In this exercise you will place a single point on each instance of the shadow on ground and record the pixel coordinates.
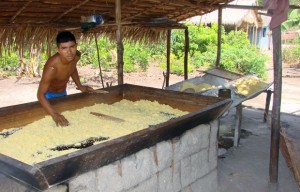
(246, 168)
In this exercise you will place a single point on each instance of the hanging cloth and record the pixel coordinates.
(278, 9)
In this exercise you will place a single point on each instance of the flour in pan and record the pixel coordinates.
(36, 142)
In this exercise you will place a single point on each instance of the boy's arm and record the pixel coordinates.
(43, 88)
(75, 77)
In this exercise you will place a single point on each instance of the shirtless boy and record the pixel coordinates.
(57, 71)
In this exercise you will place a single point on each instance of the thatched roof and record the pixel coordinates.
(36, 21)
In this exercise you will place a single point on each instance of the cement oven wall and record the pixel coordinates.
(185, 163)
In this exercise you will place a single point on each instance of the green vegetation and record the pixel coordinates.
(293, 21)
(89, 54)
(237, 54)
(9, 63)
(136, 57)
(291, 55)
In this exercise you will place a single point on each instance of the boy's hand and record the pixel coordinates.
(60, 120)
(86, 89)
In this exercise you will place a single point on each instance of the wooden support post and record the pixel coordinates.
(259, 36)
(268, 99)
(186, 53)
(98, 56)
(219, 36)
(238, 122)
(168, 57)
(49, 44)
(269, 39)
(251, 35)
(256, 29)
(247, 31)
(275, 125)
(120, 47)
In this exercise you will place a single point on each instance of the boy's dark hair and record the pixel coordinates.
(64, 37)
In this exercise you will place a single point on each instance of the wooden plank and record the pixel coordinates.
(98, 56)
(238, 122)
(186, 53)
(100, 115)
(179, 100)
(219, 37)
(291, 155)
(168, 57)
(120, 47)
(268, 99)
(275, 125)
(25, 173)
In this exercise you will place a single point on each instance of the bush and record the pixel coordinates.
(89, 54)
(135, 57)
(291, 55)
(5, 74)
(244, 61)
(176, 65)
(9, 61)
(237, 55)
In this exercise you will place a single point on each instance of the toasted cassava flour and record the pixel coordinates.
(43, 140)
(195, 88)
(249, 86)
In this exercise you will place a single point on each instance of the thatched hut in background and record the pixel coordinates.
(248, 20)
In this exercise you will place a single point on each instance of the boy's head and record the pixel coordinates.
(63, 37)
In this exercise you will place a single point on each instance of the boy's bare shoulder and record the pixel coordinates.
(52, 63)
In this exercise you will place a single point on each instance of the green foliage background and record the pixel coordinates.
(291, 55)
(237, 54)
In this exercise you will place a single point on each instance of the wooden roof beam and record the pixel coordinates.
(190, 12)
(68, 11)
(143, 12)
(253, 7)
(124, 5)
(188, 3)
(132, 3)
(181, 2)
(20, 11)
(199, 2)
(129, 3)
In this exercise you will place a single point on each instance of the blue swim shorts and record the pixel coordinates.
(50, 95)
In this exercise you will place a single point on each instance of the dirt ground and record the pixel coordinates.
(15, 91)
